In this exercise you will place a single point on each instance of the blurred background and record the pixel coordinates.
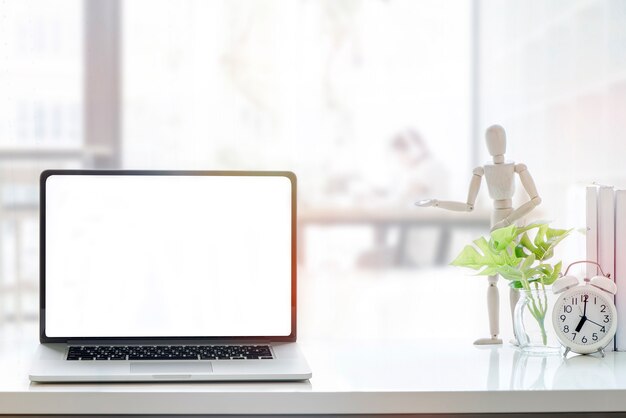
(374, 104)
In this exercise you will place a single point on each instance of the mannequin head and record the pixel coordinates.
(496, 142)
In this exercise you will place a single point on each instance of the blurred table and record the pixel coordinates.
(384, 218)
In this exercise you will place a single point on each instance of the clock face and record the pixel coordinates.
(584, 319)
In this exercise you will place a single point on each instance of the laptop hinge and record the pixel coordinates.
(166, 342)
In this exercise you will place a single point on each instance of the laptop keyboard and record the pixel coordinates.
(169, 352)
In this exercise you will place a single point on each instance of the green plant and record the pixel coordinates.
(519, 254)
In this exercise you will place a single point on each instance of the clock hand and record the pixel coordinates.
(580, 324)
(585, 312)
(593, 322)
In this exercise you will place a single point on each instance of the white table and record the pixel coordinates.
(351, 377)
(363, 335)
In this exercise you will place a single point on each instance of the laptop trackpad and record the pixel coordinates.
(171, 368)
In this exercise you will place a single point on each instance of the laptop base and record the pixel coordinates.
(51, 365)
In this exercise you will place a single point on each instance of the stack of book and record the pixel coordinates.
(606, 244)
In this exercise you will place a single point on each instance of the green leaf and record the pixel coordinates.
(488, 271)
(512, 253)
(537, 224)
(553, 238)
(540, 235)
(551, 278)
(519, 251)
(509, 272)
(528, 261)
(501, 238)
(468, 257)
(483, 255)
(555, 233)
(484, 246)
(526, 243)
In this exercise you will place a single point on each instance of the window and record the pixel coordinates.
(374, 104)
(41, 80)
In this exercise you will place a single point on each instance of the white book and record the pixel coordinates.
(606, 233)
(592, 230)
(606, 230)
(620, 268)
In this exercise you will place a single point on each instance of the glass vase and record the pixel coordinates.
(532, 321)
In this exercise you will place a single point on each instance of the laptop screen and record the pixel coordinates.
(167, 254)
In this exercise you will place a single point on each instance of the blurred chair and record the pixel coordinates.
(19, 204)
(19, 212)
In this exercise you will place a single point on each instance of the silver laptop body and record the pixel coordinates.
(167, 276)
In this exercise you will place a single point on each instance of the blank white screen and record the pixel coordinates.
(138, 255)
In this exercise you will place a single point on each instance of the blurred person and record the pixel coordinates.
(412, 169)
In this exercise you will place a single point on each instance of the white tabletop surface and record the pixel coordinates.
(375, 345)
(359, 376)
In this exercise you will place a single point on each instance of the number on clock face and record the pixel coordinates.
(583, 317)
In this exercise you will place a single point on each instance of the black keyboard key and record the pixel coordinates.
(159, 357)
(168, 352)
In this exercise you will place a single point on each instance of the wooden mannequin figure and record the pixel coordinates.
(500, 178)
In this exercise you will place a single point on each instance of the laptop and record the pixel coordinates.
(167, 276)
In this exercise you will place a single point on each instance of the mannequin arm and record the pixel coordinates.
(529, 185)
(459, 206)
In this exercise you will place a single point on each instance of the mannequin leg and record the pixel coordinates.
(493, 309)
(501, 209)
